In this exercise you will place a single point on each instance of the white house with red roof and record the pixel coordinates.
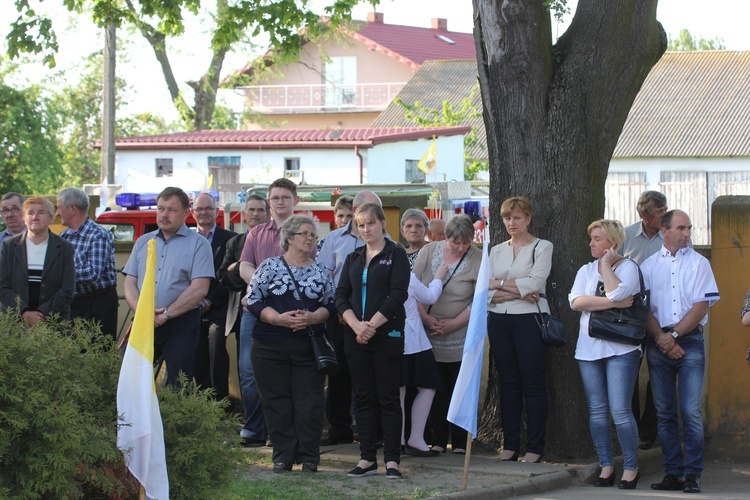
(242, 157)
(346, 81)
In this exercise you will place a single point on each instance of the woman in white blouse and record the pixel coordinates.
(518, 272)
(608, 369)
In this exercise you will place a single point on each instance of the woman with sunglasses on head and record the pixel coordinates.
(608, 369)
(370, 297)
(291, 296)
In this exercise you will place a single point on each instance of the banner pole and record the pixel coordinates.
(467, 459)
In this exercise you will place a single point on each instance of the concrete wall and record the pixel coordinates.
(728, 374)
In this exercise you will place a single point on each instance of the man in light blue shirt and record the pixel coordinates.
(11, 207)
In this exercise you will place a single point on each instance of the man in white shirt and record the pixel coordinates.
(682, 289)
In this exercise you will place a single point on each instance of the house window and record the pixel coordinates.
(164, 167)
(340, 80)
(291, 165)
(413, 174)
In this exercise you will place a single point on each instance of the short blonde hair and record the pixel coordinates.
(38, 200)
(611, 229)
(515, 203)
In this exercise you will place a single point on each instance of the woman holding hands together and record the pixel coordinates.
(370, 297)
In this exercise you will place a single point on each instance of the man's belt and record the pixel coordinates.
(694, 331)
(93, 294)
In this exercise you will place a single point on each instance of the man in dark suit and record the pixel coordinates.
(212, 360)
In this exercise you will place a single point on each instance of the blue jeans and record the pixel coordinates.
(668, 376)
(255, 422)
(608, 384)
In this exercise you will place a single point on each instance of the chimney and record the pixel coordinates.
(439, 23)
(375, 17)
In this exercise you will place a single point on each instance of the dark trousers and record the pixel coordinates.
(442, 430)
(177, 341)
(521, 359)
(647, 421)
(339, 395)
(375, 369)
(100, 307)
(212, 360)
(291, 391)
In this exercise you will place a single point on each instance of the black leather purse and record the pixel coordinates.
(625, 326)
(323, 351)
(552, 327)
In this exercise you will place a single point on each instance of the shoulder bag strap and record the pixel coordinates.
(553, 284)
(296, 285)
(451, 276)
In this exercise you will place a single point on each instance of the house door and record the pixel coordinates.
(340, 81)
(226, 177)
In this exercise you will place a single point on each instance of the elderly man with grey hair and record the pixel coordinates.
(96, 277)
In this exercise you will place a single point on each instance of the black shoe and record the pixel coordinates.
(309, 467)
(393, 473)
(360, 472)
(671, 482)
(644, 444)
(280, 467)
(253, 443)
(692, 484)
(603, 482)
(629, 485)
(331, 440)
(514, 458)
(421, 453)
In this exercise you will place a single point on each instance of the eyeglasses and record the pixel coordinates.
(11, 210)
(306, 235)
(276, 199)
(199, 210)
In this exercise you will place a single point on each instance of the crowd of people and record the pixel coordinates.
(396, 317)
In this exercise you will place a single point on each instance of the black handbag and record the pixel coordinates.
(624, 326)
(552, 327)
(323, 351)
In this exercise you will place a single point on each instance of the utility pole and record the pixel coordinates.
(108, 107)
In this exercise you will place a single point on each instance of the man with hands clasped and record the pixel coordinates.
(682, 289)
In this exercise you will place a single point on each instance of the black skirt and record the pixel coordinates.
(420, 370)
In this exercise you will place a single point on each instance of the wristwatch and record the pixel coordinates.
(166, 313)
(674, 333)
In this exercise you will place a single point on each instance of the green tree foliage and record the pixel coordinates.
(450, 116)
(30, 158)
(685, 42)
(58, 420)
(160, 21)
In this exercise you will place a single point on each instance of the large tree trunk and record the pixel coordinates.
(553, 116)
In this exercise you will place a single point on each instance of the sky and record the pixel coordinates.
(726, 19)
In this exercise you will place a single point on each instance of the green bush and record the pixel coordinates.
(201, 461)
(57, 411)
(58, 420)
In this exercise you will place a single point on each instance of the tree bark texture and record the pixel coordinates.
(553, 115)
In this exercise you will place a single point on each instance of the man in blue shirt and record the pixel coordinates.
(184, 268)
(11, 207)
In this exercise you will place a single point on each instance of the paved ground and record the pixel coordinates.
(491, 479)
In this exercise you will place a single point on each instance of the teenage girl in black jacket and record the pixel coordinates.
(370, 297)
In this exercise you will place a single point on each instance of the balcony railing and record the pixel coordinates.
(278, 99)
